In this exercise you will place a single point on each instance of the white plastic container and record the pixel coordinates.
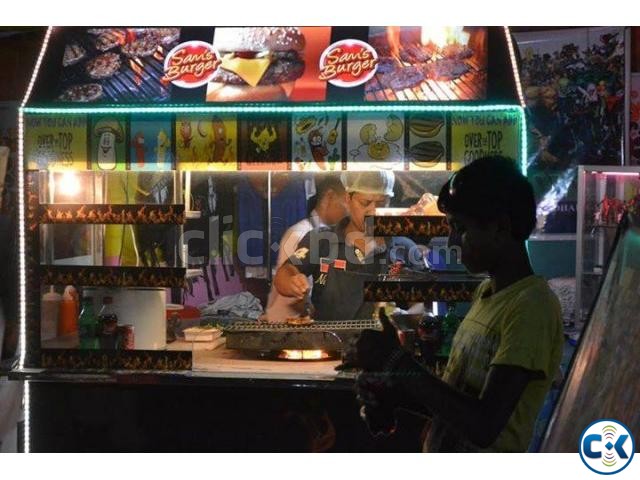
(200, 334)
(144, 308)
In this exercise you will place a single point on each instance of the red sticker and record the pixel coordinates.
(340, 264)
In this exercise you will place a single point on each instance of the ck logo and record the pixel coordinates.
(606, 447)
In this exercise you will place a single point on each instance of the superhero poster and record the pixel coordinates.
(150, 145)
(316, 142)
(574, 88)
(206, 143)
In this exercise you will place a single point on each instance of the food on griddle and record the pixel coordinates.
(426, 154)
(103, 66)
(425, 127)
(166, 35)
(256, 63)
(107, 40)
(305, 320)
(427, 205)
(144, 45)
(446, 69)
(73, 53)
(89, 92)
(395, 128)
(457, 51)
(402, 78)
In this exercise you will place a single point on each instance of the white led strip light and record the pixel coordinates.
(21, 242)
(514, 66)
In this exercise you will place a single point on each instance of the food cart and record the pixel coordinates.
(159, 169)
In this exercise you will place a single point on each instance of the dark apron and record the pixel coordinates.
(343, 296)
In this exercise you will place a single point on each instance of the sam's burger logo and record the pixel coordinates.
(191, 64)
(348, 63)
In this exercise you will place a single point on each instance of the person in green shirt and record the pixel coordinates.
(507, 349)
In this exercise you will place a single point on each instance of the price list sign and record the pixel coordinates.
(475, 135)
(56, 143)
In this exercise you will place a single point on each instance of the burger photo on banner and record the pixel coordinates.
(427, 141)
(207, 142)
(119, 64)
(316, 142)
(375, 141)
(428, 64)
(268, 64)
(263, 143)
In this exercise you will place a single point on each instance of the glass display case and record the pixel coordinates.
(601, 383)
(603, 195)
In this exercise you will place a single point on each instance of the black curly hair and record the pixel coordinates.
(489, 187)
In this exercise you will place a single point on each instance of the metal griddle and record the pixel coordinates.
(332, 336)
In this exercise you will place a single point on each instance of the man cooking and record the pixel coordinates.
(342, 258)
(329, 209)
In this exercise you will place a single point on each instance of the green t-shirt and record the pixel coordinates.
(520, 325)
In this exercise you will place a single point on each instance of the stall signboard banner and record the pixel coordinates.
(56, 142)
(477, 135)
(196, 65)
(207, 142)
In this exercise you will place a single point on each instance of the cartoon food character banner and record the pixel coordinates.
(316, 142)
(207, 142)
(375, 142)
(263, 143)
(150, 144)
(56, 143)
(108, 136)
(427, 141)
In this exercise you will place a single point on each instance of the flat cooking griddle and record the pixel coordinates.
(333, 336)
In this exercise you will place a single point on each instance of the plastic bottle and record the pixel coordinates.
(108, 324)
(449, 328)
(49, 311)
(68, 316)
(88, 325)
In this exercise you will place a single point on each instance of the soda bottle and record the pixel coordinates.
(429, 337)
(108, 321)
(88, 325)
(449, 328)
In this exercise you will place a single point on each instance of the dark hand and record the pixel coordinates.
(372, 348)
(378, 400)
